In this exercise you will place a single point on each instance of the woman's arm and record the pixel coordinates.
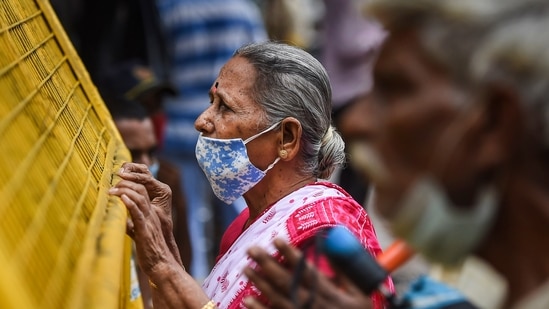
(173, 287)
(149, 204)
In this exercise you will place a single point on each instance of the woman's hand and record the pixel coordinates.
(149, 204)
(161, 200)
(314, 291)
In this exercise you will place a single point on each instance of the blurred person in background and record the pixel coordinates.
(201, 36)
(461, 92)
(463, 139)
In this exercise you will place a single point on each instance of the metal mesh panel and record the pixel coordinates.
(61, 235)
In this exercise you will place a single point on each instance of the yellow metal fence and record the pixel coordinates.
(61, 235)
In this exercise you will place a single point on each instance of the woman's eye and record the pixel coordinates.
(223, 106)
(219, 104)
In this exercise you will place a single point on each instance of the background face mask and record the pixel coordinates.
(227, 165)
(443, 232)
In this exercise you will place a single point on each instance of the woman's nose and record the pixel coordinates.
(203, 123)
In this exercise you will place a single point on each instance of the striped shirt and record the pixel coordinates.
(203, 35)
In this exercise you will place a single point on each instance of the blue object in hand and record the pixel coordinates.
(346, 254)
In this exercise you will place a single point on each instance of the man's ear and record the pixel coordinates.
(499, 126)
(290, 138)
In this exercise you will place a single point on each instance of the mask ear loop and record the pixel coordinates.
(251, 138)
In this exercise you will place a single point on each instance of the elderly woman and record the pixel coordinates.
(267, 136)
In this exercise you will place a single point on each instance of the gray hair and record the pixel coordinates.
(292, 83)
(483, 41)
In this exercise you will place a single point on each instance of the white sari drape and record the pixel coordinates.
(226, 285)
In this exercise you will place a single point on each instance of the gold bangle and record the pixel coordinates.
(209, 305)
(152, 284)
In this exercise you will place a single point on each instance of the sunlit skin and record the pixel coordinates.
(234, 114)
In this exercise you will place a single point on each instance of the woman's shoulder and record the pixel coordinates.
(326, 205)
(332, 195)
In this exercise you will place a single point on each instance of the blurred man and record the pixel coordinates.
(462, 90)
(463, 139)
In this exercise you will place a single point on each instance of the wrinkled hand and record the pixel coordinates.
(159, 193)
(274, 281)
(149, 204)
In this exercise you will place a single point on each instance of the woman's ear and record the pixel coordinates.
(290, 131)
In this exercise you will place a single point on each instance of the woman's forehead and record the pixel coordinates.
(237, 67)
(235, 82)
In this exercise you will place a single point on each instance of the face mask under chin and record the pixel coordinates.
(441, 231)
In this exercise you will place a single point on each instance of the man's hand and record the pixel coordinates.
(315, 290)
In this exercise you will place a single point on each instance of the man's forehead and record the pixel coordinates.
(397, 49)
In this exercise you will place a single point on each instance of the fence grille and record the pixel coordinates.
(61, 234)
